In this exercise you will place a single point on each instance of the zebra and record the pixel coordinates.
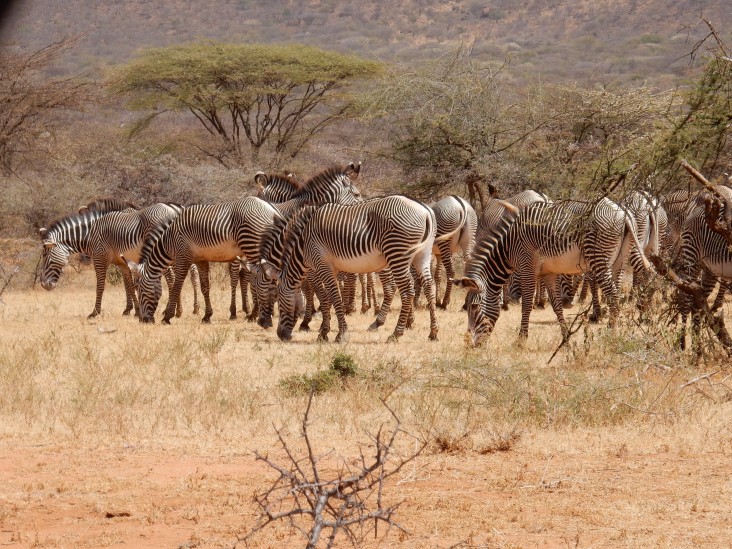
(545, 239)
(334, 184)
(277, 187)
(201, 233)
(491, 218)
(393, 231)
(103, 237)
(651, 223)
(702, 253)
(456, 226)
(113, 204)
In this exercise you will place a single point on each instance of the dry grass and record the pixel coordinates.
(604, 445)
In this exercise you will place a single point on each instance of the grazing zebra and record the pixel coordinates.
(103, 237)
(332, 185)
(201, 233)
(112, 204)
(545, 239)
(393, 231)
(703, 255)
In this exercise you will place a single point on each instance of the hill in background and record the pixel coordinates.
(625, 40)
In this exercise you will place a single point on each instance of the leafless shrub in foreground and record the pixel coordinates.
(350, 502)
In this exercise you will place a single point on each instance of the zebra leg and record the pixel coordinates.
(424, 277)
(449, 264)
(100, 268)
(553, 286)
(196, 284)
(364, 292)
(405, 283)
(130, 291)
(371, 289)
(349, 293)
(182, 266)
(234, 274)
(203, 269)
(308, 290)
(541, 291)
(331, 293)
(528, 289)
(387, 282)
(324, 297)
(244, 278)
(170, 280)
(417, 291)
(606, 281)
(724, 287)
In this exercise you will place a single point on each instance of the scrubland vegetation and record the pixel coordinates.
(124, 430)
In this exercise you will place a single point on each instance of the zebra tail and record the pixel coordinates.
(629, 227)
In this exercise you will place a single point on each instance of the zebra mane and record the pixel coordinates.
(74, 220)
(292, 232)
(323, 178)
(271, 236)
(109, 204)
(153, 237)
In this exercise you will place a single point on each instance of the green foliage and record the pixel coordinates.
(342, 367)
(281, 95)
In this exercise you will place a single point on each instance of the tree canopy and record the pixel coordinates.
(250, 96)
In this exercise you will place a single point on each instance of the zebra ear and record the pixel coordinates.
(43, 231)
(131, 265)
(83, 210)
(467, 283)
(353, 170)
(272, 272)
(260, 178)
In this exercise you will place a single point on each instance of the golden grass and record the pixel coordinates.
(604, 446)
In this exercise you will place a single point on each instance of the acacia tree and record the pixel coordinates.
(30, 103)
(250, 97)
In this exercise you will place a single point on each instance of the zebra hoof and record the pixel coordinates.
(126, 312)
(443, 305)
(364, 309)
(232, 316)
(375, 325)
(393, 338)
(92, 315)
(206, 320)
(594, 318)
(165, 321)
(196, 310)
(432, 336)
(304, 328)
(342, 337)
(323, 338)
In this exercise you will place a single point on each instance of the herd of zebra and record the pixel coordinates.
(299, 239)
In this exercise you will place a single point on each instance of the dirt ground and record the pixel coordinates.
(644, 483)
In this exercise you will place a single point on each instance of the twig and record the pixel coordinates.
(705, 376)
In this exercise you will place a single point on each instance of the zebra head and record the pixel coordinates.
(54, 257)
(148, 288)
(483, 309)
(264, 287)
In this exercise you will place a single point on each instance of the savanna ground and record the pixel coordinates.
(112, 432)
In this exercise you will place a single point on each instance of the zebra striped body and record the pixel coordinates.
(393, 232)
(703, 256)
(104, 237)
(545, 240)
(200, 234)
(334, 184)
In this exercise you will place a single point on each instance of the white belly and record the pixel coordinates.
(224, 252)
(721, 269)
(367, 263)
(569, 262)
